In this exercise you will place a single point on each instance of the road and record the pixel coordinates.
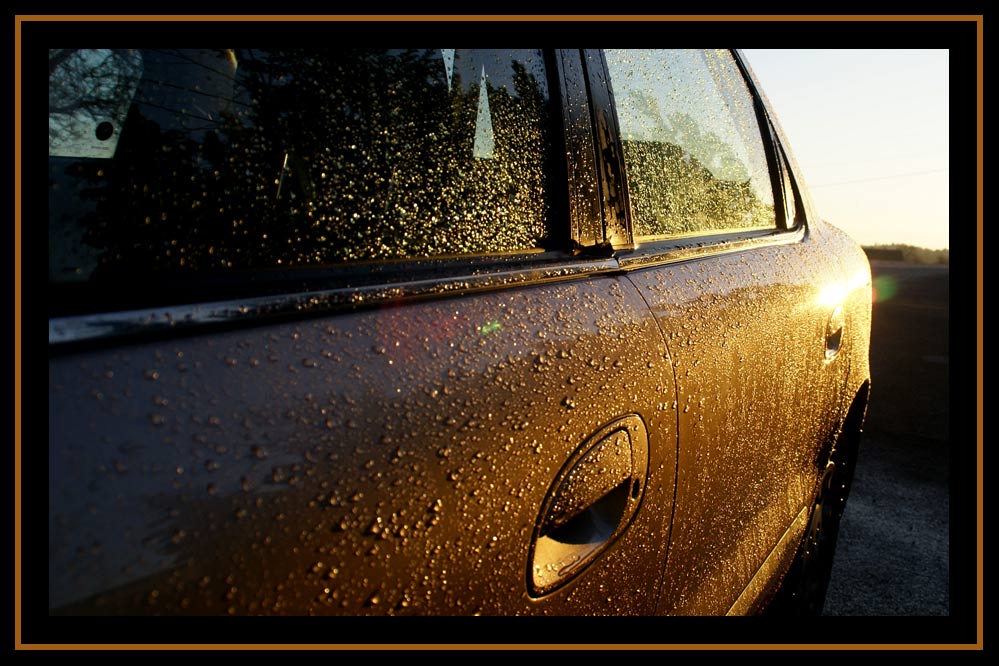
(893, 555)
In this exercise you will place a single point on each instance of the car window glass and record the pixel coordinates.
(694, 156)
(206, 160)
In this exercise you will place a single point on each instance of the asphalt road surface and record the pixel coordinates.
(893, 553)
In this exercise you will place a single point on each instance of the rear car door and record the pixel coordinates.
(332, 333)
(744, 292)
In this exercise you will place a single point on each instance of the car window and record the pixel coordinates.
(204, 161)
(694, 157)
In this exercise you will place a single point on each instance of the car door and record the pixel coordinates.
(351, 353)
(739, 282)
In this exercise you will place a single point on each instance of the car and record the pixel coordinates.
(441, 332)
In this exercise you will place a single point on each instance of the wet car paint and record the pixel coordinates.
(757, 402)
(389, 461)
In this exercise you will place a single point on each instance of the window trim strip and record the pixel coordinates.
(676, 250)
(174, 319)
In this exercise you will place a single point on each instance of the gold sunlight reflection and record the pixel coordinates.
(835, 293)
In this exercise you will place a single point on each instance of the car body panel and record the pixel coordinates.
(391, 460)
(749, 445)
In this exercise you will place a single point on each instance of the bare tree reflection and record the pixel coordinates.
(89, 93)
(684, 180)
(248, 159)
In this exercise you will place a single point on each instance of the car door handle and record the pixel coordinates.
(590, 503)
(834, 332)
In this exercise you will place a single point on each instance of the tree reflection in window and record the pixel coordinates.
(693, 152)
(245, 159)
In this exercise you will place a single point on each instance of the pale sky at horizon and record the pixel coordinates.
(870, 130)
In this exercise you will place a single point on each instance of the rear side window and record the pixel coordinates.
(199, 161)
(694, 155)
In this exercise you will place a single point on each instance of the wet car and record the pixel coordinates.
(440, 332)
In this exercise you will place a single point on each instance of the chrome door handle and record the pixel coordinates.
(590, 503)
(834, 332)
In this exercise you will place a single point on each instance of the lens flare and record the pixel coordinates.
(491, 327)
(884, 288)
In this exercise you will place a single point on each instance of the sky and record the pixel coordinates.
(870, 131)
